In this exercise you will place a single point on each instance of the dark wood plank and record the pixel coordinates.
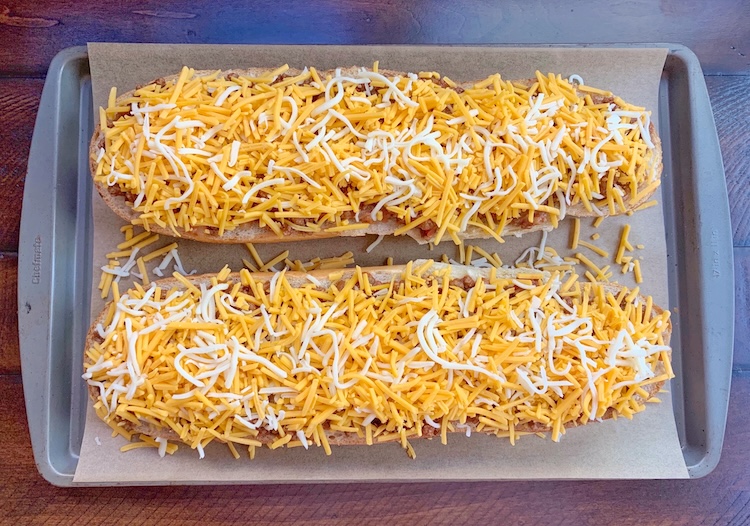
(742, 308)
(19, 100)
(720, 498)
(10, 359)
(732, 116)
(16, 458)
(31, 33)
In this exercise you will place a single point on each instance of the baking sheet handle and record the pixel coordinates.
(35, 264)
(47, 318)
(710, 315)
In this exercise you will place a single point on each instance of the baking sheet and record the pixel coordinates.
(647, 447)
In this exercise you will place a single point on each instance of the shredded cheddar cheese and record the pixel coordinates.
(297, 152)
(646, 205)
(287, 362)
(597, 250)
(131, 249)
(575, 234)
(637, 271)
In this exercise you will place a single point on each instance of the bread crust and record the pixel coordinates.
(380, 274)
(254, 233)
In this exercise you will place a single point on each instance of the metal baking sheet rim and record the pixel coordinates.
(55, 258)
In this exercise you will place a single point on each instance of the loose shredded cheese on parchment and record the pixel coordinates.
(168, 257)
(131, 249)
(251, 363)
(300, 153)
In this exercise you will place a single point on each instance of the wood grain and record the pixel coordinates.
(720, 498)
(742, 309)
(8, 19)
(732, 115)
(19, 99)
(10, 359)
(32, 33)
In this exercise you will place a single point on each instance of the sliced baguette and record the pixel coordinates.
(254, 233)
(382, 275)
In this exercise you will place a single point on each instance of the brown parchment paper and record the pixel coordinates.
(646, 447)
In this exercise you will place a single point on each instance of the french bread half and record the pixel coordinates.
(460, 281)
(121, 202)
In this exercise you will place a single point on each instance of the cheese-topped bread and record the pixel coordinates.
(362, 356)
(262, 156)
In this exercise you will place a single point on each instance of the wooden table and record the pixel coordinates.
(30, 36)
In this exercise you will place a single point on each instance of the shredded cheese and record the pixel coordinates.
(647, 204)
(251, 361)
(600, 251)
(637, 271)
(131, 249)
(575, 233)
(310, 154)
(624, 243)
(374, 244)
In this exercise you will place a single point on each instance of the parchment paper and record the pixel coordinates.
(646, 447)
